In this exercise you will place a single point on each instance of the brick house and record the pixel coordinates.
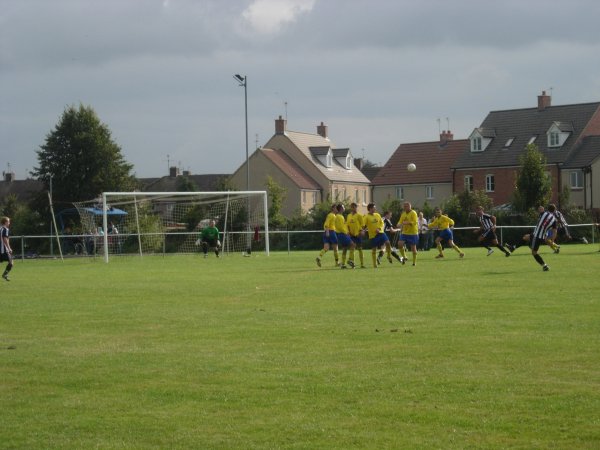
(431, 182)
(568, 135)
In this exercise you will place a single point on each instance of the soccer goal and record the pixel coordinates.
(146, 223)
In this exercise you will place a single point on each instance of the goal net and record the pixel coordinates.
(145, 223)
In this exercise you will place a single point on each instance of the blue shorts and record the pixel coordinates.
(357, 240)
(344, 239)
(379, 240)
(332, 239)
(410, 239)
(446, 234)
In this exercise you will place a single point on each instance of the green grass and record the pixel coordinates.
(272, 352)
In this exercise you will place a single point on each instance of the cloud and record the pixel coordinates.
(269, 16)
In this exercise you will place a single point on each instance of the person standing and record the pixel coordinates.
(329, 236)
(423, 233)
(487, 232)
(374, 227)
(5, 250)
(444, 224)
(392, 234)
(210, 238)
(546, 222)
(409, 231)
(343, 236)
(355, 222)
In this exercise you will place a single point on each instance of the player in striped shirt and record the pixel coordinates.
(546, 222)
(329, 236)
(562, 231)
(5, 250)
(487, 231)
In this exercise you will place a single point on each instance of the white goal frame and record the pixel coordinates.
(139, 196)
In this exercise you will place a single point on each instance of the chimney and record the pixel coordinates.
(446, 136)
(280, 125)
(358, 163)
(322, 130)
(173, 171)
(9, 176)
(186, 173)
(544, 101)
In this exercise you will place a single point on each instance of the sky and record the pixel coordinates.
(378, 73)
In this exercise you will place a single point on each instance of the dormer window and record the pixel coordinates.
(348, 162)
(509, 142)
(480, 139)
(531, 140)
(343, 157)
(324, 155)
(558, 133)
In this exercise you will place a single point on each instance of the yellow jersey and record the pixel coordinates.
(374, 224)
(355, 223)
(413, 227)
(340, 224)
(441, 223)
(330, 222)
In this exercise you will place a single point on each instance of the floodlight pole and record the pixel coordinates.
(243, 81)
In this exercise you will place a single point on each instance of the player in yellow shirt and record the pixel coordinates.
(444, 224)
(329, 236)
(409, 231)
(344, 241)
(374, 227)
(355, 223)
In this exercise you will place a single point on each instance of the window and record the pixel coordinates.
(476, 144)
(314, 198)
(400, 192)
(303, 196)
(328, 160)
(554, 139)
(490, 183)
(469, 183)
(336, 194)
(343, 193)
(576, 178)
(349, 162)
(356, 197)
(429, 192)
(509, 142)
(531, 140)
(364, 196)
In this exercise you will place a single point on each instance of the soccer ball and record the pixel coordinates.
(411, 167)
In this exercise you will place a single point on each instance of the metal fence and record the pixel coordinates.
(86, 246)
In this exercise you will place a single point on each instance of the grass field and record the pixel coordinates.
(272, 352)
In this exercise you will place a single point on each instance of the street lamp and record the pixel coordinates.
(243, 81)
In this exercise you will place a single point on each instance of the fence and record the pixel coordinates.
(29, 247)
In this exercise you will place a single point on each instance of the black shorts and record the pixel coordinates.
(6, 257)
(534, 243)
(211, 242)
(489, 235)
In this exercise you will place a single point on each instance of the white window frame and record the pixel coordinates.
(429, 192)
(469, 183)
(576, 179)
(490, 182)
(400, 192)
(364, 196)
(554, 139)
(349, 162)
(477, 144)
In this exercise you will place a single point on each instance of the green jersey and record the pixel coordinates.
(210, 234)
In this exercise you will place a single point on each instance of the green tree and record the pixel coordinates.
(277, 194)
(81, 158)
(185, 184)
(533, 186)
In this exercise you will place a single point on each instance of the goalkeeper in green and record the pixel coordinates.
(210, 238)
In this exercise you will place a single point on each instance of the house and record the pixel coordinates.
(309, 166)
(176, 179)
(431, 182)
(22, 190)
(568, 135)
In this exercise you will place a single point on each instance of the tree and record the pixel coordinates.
(277, 195)
(533, 187)
(81, 158)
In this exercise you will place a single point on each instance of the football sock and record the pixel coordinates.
(539, 259)
(502, 249)
(440, 249)
(361, 257)
(322, 253)
(374, 257)
(455, 247)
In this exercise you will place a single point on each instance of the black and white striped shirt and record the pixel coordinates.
(486, 222)
(3, 234)
(546, 221)
(561, 222)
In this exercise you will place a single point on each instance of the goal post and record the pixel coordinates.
(144, 223)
